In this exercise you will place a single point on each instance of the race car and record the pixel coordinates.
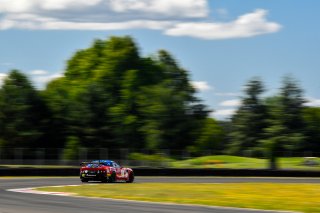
(105, 171)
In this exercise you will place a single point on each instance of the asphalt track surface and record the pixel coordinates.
(14, 202)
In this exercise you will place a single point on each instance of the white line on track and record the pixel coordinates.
(33, 191)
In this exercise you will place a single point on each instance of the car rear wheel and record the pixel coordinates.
(83, 180)
(112, 178)
(104, 180)
(131, 178)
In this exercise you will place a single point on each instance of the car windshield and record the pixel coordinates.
(116, 165)
(106, 163)
(93, 165)
(102, 162)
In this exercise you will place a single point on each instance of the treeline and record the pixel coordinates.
(109, 96)
(270, 126)
(112, 97)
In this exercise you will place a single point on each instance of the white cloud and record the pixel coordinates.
(39, 77)
(312, 102)
(64, 4)
(6, 64)
(2, 77)
(107, 10)
(226, 94)
(185, 8)
(26, 6)
(223, 113)
(231, 103)
(247, 25)
(39, 72)
(201, 85)
(174, 18)
(44, 79)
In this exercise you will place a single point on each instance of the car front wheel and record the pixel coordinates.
(112, 178)
(131, 178)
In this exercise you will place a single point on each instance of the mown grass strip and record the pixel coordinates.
(268, 196)
(235, 162)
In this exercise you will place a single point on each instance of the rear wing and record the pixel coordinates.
(85, 163)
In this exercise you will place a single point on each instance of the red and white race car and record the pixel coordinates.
(105, 171)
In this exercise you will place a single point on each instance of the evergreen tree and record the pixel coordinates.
(285, 131)
(22, 112)
(249, 120)
(311, 117)
(211, 137)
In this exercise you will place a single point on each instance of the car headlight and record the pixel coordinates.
(86, 171)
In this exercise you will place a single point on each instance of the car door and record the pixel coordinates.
(118, 170)
(121, 172)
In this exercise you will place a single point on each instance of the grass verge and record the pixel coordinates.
(235, 162)
(269, 196)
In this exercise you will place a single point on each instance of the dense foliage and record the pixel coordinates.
(112, 97)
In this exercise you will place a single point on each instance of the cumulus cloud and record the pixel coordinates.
(201, 85)
(39, 77)
(174, 18)
(226, 94)
(223, 113)
(2, 77)
(44, 79)
(104, 11)
(312, 102)
(247, 25)
(185, 8)
(39, 72)
(231, 103)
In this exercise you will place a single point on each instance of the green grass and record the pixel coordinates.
(214, 161)
(37, 166)
(269, 196)
(221, 161)
(234, 162)
(296, 163)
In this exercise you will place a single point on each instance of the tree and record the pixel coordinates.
(112, 97)
(82, 101)
(125, 115)
(249, 120)
(311, 117)
(22, 112)
(173, 116)
(285, 131)
(211, 137)
(72, 148)
(57, 99)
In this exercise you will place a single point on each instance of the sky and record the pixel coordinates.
(222, 43)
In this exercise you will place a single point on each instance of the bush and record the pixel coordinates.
(150, 160)
(71, 150)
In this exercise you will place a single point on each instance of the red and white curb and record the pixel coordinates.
(33, 191)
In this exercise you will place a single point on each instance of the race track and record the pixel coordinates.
(14, 202)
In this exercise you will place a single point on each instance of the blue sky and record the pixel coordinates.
(223, 43)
